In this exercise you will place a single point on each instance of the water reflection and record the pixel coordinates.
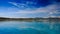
(34, 27)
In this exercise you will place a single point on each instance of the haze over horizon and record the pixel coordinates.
(29, 8)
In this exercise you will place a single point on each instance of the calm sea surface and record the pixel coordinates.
(34, 27)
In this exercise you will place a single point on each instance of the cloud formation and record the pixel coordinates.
(21, 10)
(50, 9)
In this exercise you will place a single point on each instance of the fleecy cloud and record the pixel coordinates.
(51, 9)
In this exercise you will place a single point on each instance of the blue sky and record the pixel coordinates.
(29, 8)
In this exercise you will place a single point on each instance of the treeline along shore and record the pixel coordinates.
(29, 19)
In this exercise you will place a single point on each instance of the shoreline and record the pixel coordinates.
(30, 19)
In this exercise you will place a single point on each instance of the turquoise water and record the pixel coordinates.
(24, 27)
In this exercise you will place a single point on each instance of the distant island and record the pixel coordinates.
(29, 19)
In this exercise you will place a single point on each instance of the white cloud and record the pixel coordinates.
(50, 9)
(19, 5)
(24, 5)
(14, 3)
(28, 11)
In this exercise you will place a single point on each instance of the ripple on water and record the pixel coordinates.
(17, 27)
